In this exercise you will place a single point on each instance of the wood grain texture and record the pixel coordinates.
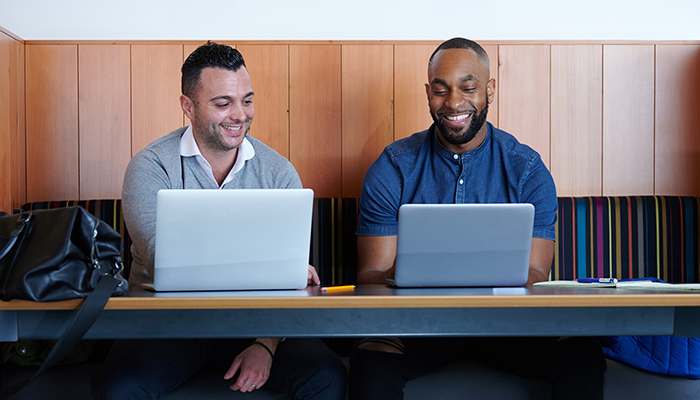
(105, 119)
(561, 298)
(628, 120)
(18, 132)
(524, 105)
(577, 119)
(268, 68)
(492, 51)
(315, 116)
(52, 122)
(677, 125)
(5, 126)
(155, 92)
(411, 112)
(368, 72)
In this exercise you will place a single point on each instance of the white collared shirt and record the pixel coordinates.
(189, 148)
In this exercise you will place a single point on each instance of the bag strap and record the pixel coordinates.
(81, 321)
(24, 219)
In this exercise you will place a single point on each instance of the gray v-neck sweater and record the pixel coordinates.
(160, 166)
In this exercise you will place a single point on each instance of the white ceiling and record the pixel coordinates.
(351, 19)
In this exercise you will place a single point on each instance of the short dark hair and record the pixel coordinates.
(462, 43)
(212, 55)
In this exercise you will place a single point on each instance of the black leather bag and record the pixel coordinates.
(60, 254)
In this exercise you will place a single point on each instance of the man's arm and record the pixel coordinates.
(375, 259)
(541, 256)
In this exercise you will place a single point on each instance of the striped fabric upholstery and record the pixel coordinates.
(333, 244)
(628, 237)
(109, 211)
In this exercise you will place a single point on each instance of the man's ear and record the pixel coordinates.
(427, 91)
(491, 89)
(187, 107)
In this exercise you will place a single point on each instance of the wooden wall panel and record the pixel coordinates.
(268, 68)
(105, 119)
(677, 133)
(368, 72)
(524, 95)
(577, 119)
(315, 116)
(411, 112)
(18, 138)
(52, 122)
(155, 92)
(628, 120)
(5, 132)
(492, 51)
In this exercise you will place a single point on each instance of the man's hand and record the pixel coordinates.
(254, 365)
(313, 277)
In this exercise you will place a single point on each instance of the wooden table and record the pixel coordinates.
(371, 310)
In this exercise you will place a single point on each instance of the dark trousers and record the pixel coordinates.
(575, 366)
(149, 369)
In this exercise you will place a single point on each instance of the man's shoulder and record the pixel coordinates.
(409, 145)
(264, 150)
(169, 143)
(512, 145)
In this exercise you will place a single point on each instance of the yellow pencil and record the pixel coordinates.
(337, 288)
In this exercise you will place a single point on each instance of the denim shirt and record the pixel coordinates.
(419, 169)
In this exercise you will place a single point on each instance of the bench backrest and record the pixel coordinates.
(603, 236)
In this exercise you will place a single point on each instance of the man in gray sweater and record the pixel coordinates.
(214, 152)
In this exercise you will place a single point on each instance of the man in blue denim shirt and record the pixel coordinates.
(462, 159)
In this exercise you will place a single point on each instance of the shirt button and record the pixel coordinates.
(461, 181)
(455, 156)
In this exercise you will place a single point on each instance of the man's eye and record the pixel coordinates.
(223, 105)
(439, 92)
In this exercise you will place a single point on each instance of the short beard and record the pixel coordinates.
(210, 136)
(471, 132)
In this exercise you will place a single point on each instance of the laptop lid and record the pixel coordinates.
(239, 239)
(463, 245)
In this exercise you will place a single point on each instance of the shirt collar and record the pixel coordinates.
(443, 151)
(189, 148)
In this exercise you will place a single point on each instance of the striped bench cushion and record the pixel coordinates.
(628, 237)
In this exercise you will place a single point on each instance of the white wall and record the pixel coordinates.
(351, 19)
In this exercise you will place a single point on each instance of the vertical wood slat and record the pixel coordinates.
(52, 122)
(18, 132)
(525, 95)
(677, 133)
(315, 116)
(367, 123)
(494, 62)
(105, 120)
(628, 120)
(269, 73)
(577, 119)
(411, 112)
(155, 92)
(5, 126)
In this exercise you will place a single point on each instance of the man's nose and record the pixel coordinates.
(454, 100)
(237, 112)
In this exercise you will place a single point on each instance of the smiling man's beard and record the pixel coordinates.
(473, 128)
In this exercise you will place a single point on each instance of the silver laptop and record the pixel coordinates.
(241, 239)
(463, 245)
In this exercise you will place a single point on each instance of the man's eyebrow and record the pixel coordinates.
(467, 78)
(229, 98)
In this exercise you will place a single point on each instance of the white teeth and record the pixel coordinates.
(232, 128)
(457, 117)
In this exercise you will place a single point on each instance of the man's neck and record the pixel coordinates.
(221, 162)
